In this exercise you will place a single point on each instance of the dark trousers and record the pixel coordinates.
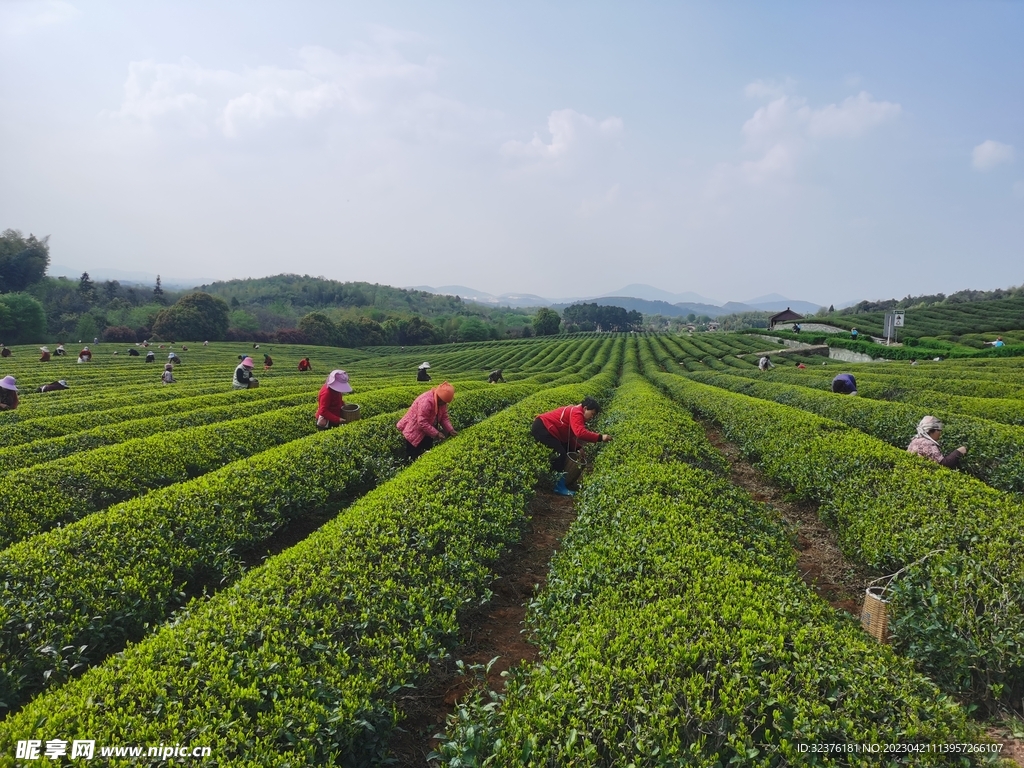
(541, 435)
(415, 451)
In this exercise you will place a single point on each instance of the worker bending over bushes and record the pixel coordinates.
(562, 430)
(926, 444)
(427, 420)
(330, 400)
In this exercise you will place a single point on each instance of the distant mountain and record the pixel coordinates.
(125, 276)
(649, 292)
(640, 305)
(638, 296)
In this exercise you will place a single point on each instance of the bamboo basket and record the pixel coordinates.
(874, 614)
(349, 413)
(574, 462)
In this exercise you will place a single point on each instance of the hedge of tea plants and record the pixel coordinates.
(960, 612)
(675, 630)
(297, 663)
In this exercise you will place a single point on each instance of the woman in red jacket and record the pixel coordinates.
(331, 401)
(563, 429)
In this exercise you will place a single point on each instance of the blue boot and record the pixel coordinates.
(560, 488)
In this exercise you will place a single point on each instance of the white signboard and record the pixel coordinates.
(898, 319)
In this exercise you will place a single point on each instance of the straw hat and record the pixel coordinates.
(424, 365)
(445, 392)
(44, 349)
(8, 382)
(338, 381)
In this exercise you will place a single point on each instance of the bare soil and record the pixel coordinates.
(495, 629)
(822, 564)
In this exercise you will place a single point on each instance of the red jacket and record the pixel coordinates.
(331, 403)
(567, 422)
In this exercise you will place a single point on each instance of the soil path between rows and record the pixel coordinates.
(488, 631)
(821, 563)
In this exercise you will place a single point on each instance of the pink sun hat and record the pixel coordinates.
(338, 381)
(8, 382)
(247, 362)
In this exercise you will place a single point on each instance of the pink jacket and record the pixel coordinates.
(425, 411)
(925, 446)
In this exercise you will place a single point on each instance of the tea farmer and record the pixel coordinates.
(495, 377)
(562, 430)
(5, 352)
(330, 400)
(853, 334)
(765, 363)
(844, 384)
(8, 394)
(168, 377)
(173, 358)
(267, 362)
(926, 443)
(54, 386)
(60, 351)
(421, 372)
(45, 357)
(151, 356)
(427, 420)
(243, 375)
(997, 343)
(304, 364)
(85, 355)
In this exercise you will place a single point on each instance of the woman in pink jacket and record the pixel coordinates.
(427, 420)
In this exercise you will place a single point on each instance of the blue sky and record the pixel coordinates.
(824, 151)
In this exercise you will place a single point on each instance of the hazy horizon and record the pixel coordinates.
(824, 152)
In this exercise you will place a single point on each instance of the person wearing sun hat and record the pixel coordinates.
(330, 400)
(45, 357)
(421, 372)
(427, 420)
(8, 393)
(243, 375)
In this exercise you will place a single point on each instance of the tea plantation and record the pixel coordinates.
(188, 564)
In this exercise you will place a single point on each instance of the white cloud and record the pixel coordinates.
(21, 16)
(989, 154)
(568, 129)
(855, 116)
(769, 89)
(372, 78)
(782, 131)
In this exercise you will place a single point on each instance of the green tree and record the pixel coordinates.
(86, 330)
(22, 319)
(474, 330)
(319, 329)
(243, 321)
(194, 317)
(546, 322)
(158, 292)
(23, 261)
(87, 288)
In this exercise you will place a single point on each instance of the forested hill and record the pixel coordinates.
(303, 292)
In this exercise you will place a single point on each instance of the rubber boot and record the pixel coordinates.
(560, 488)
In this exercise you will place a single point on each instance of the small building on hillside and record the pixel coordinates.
(786, 316)
(712, 326)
